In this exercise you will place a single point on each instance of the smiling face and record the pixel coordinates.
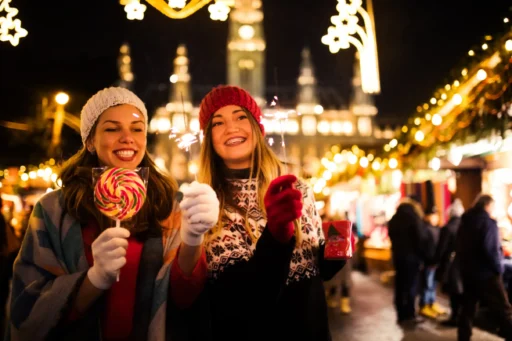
(119, 137)
(232, 136)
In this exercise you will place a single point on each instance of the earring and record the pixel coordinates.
(92, 151)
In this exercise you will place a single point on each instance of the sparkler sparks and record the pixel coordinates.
(281, 117)
(186, 140)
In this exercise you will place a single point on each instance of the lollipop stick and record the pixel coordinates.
(118, 225)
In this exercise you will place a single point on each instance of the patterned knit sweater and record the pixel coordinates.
(266, 289)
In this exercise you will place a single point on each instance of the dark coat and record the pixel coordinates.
(479, 246)
(432, 234)
(448, 272)
(447, 243)
(407, 233)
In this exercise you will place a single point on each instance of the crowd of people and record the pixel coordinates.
(464, 256)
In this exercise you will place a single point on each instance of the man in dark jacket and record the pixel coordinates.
(479, 249)
(407, 242)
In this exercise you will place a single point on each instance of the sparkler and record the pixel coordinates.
(184, 141)
(188, 138)
(281, 117)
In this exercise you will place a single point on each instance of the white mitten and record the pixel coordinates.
(200, 212)
(108, 251)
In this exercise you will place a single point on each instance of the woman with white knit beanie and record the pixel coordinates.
(65, 284)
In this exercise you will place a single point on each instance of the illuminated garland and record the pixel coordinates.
(479, 106)
(20, 177)
(178, 9)
(465, 111)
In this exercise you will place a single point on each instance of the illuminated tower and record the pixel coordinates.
(246, 48)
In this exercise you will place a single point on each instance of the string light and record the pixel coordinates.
(180, 9)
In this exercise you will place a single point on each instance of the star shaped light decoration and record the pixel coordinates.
(335, 40)
(11, 11)
(345, 25)
(8, 23)
(219, 11)
(135, 10)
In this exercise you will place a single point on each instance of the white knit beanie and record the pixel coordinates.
(103, 100)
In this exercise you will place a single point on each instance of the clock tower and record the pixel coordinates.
(246, 48)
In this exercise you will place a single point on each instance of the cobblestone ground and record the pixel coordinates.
(373, 318)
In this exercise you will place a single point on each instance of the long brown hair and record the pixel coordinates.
(77, 187)
(265, 167)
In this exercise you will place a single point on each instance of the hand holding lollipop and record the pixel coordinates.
(119, 194)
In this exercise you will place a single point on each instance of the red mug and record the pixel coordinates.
(338, 235)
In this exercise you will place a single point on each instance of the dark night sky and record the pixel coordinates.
(73, 46)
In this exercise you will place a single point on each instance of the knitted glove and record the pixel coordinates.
(108, 251)
(283, 205)
(200, 212)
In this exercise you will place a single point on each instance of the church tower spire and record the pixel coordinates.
(307, 98)
(174, 115)
(180, 98)
(246, 48)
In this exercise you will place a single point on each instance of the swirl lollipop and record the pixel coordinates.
(119, 194)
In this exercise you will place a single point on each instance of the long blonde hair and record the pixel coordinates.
(264, 167)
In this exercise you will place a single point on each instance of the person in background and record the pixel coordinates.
(346, 274)
(428, 305)
(9, 247)
(480, 256)
(5, 272)
(266, 256)
(448, 270)
(408, 252)
(338, 288)
(64, 285)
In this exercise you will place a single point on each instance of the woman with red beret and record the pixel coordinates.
(265, 256)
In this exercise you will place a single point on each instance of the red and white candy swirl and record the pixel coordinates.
(119, 193)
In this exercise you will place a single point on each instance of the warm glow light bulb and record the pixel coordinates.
(393, 163)
(419, 136)
(62, 98)
(481, 75)
(437, 119)
(457, 99)
(246, 32)
(508, 45)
